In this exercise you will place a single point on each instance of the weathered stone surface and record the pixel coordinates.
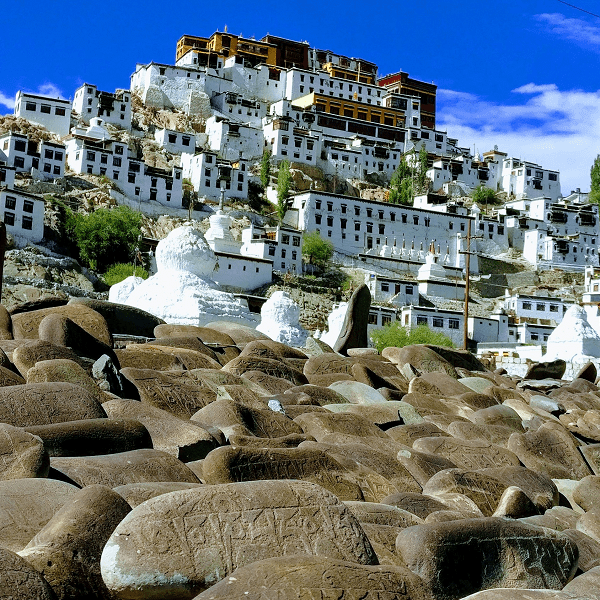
(520, 594)
(122, 318)
(500, 415)
(354, 328)
(292, 440)
(587, 493)
(467, 454)
(586, 586)
(92, 436)
(65, 370)
(231, 417)
(383, 540)
(45, 403)
(18, 579)
(514, 504)
(558, 518)
(8, 377)
(184, 439)
(268, 366)
(427, 405)
(62, 331)
(231, 465)
(244, 396)
(418, 504)
(477, 401)
(189, 358)
(589, 523)
(308, 577)
(206, 334)
(329, 378)
(323, 395)
(422, 358)
(241, 334)
(364, 374)
(21, 454)
(216, 379)
(462, 557)
(478, 384)
(26, 324)
(177, 393)
(551, 450)
(136, 493)
(357, 393)
(26, 505)
(314, 347)
(588, 372)
(112, 470)
(28, 353)
(421, 465)
(591, 454)
(407, 434)
(546, 370)
(107, 376)
(269, 383)
(484, 433)
(320, 424)
(270, 349)
(67, 550)
(5, 324)
(189, 342)
(384, 414)
(382, 514)
(135, 356)
(589, 549)
(186, 537)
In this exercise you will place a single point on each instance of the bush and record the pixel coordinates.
(107, 236)
(484, 195)
(394, 335)
(116, 273)
(317, 250)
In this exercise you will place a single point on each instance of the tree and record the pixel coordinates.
(484, 195)
(317, 251)
(421, 179)
(595, 181)
(284, 183)
(265, 168)
(107, 236)
(401, 189)
(394, 335)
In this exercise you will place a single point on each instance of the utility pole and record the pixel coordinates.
(467, 281)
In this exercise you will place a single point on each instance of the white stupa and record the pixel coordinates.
(182, 290)
(219, 236)
(335, 322)
(280, 320)
(574, 340)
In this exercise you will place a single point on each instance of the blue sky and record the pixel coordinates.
(522, 75)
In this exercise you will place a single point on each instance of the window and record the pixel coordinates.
(31, 106)
(271, 250)
(10, 202)
(526, 305)
(553, 308)
(318, 219)
(185, 141)
(409, 290)
(381, 229)
(47, 167)
(27, 223)
(103, 159)
(137, 191)
(56, 170)
(453, 323)
(369, 227)
(357, 211)
(357, 227)
(296, 241)
(115, 174)
(421, 320)
(90, 169)
(285, 140)
(208, 159)
(131, 177)
(372, 318)
(48, 154)
(386, 319)
(283, 253)
(369, 212)
(153, 194)
(27, 206)
(385, 287)
(317, 204)
(116, 161)
(90, 156)
(45, 108)
(58, 155)
(540, 306)
(173, 137)
(415, 219)
(438, 322)
(9, 218)
(534, 336)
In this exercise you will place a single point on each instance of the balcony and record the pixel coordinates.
(558, 216)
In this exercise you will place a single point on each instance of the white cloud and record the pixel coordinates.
(7, 101)
(557, 129)
(576, 30)
(50, 89)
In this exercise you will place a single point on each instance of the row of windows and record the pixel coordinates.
(438, 322)
(11, 203)
(385, 287)
(45, 108)
(283, 253)
(542, 306)
(26, 222)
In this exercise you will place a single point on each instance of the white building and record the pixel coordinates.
(46, 158)
(114, 108)
(22, 213)
(207, 173)
(391, 289)
(52, 113)
(282, 245)
(535, 309)
(572, 253)
(391, 231)
(95, 153)
(232, 140)
(176, 142)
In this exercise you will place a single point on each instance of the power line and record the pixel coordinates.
(578, 8)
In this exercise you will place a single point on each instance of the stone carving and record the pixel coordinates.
(354, 327)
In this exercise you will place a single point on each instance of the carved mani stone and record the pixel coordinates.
(21, 454)
(354, 328)
(179, 544)
(309, 577)
(462, 557)
(19, 579)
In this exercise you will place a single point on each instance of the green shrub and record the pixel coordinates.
(394, 335)
(116, 273)
(107, 236)
(317, 250)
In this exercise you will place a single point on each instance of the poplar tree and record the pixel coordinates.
(284, 183)
(595, 181)
(265, 168)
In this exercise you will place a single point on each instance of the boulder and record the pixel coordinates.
(19, 579)
(354, 328)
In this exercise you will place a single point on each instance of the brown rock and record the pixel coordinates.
(514, 504)
(422, 358)
(320, 424)
(21, 454)
(112, 470)
(558, 518)
(243, 395)
(67, 550)
(467, 454)
(462, 557)
(586, 493)
(588, 372)
(230, 465)
(8, 377)
(484, 433)
(190, 342)
(18, 579)
(307, 577)
(26, 324)
(268, 366)
(206, 334)
(174, 392)
(136, 493)
(272, 518)
(135, 356)
(407, 434)
(28, 353)
(551, 450)
(585, 586)
(45, 403)
(269, 384)
(546, 370)
(322, 395)
(415, 503)
(354, 328)
(328, 379)
(5, 324)
(589, 549)
(92, 436)
(292, 440)
(26, 505)
(241, 334)
(190, 359)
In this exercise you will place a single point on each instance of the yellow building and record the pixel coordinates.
(225, 44)
(350, 74)
(349, 108)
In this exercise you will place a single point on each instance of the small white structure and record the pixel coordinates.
(282, 245)
(574, 340)
(182, 291)
(44, 159)
(535, 308)
(52, 113)
(335, 321)
(280, 320)
(176, 142)
(113, 108)
(433, 280)
(22, 213)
